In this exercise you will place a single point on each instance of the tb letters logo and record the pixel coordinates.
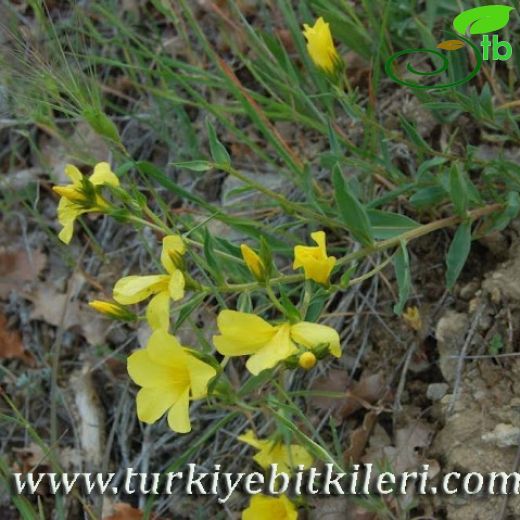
(480, 20)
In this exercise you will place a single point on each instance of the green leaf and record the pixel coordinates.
(254, 382)
(291, 311)
(502, 220)
(244, 303)
(351, 211)
(389, 225)
(101, 124)
(496, 345)
(187, 309)
(403, 275)
(347, 276)
(427, 165)
(196, 166)
(414, 135)
(211, 259)
(218, 151)
(318, 301)
(481, 20)
(428, 197)
(458, 190)
(458, 253)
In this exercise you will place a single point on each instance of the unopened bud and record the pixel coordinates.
(307, 360)
(253, 262)
(112, 310)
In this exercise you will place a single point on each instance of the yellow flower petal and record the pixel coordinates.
(277, 349)
(134, 289)
(320, 45)
(147, 373)
(165, 349)
(312, 334)
(158, 311)
(103, 174)
(179, 414)
(241, 333)
(250, 438)
(176, 285)
(200, 374)
(286, 456)
(173, 245)
(153, 403)
(263, 507)
(67, 214)
(314, 260)
(73, 174)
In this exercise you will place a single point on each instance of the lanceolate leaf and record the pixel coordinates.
(481, 20)
(502, 220)
(218, 151)
(351, 211)
(403, 275)
(389, 225)
(458, 190)
(458, 253)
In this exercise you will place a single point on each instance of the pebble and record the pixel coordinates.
(436, 391)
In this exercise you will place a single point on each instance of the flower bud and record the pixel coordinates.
(307, 360)
(112, 310)
(253, 262)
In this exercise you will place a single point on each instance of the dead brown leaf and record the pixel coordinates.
(406, 452)
(32, 459)
(19, 267)
(335, 381)
(365, 392)
(29, 457)
(11, 345)
(67, 312)
(358, 394)
(123, 511)
(359, 438)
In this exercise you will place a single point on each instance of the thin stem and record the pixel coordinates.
(378, 247)
(274, 299)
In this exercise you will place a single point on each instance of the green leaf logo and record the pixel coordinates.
(482, 20)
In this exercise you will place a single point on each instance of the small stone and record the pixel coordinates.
(504, 435)
(436, 391)
(469, 290)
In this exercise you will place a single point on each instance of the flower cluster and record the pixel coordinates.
(169, 375)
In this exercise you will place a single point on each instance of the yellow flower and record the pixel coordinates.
(134, 289)
(263, 507)
(320, 45)
(244, 334)
(169, 375)
(412, 318)
(307, 360)
(82, 196)
(112, 310)
(253, 262)
(314, 260)
(270, 452)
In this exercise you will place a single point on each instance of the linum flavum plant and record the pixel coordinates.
(341, 222)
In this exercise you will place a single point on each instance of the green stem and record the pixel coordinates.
(375, 248)
(289, 206)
